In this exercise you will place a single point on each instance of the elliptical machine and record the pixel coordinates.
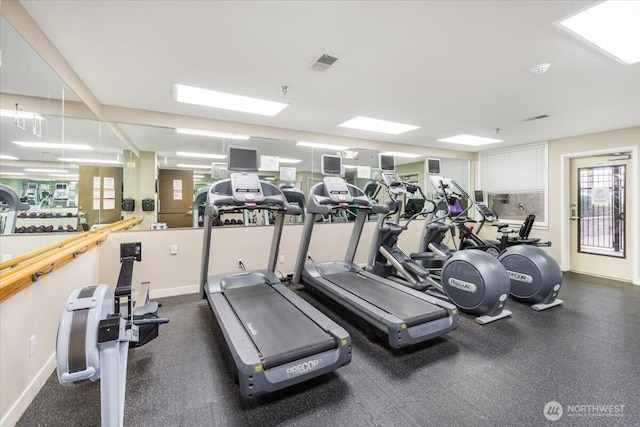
(474, 281)
(94, 336)
(535, 276)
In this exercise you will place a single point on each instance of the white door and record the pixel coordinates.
(600, 244)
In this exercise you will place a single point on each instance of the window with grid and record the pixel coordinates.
(601, 207)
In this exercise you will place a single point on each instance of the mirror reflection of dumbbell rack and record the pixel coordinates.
(246, 218)
(46, 222)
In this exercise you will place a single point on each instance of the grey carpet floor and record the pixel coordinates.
(584, 352)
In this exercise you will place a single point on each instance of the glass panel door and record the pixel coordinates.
(601, 209)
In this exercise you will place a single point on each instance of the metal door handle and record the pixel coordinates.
(574, 218)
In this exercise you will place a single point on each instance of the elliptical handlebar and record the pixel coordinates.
(409, 188)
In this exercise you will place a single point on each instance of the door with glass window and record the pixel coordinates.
(599, 228)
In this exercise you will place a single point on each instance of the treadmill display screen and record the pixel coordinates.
(331, 165)
(478, 196)
(242, 159)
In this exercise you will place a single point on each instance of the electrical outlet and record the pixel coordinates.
(32, 345)
(174, 249)
(281, 259)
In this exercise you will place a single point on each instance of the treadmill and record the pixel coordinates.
(13, 203)
(275, 338)
(394, 312)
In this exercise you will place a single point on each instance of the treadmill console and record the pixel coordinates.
(393, 183)
(337, 189)
(246, 188)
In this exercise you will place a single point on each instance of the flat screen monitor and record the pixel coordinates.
(242, 159)
(331, 165)
(433, 165)
(413, 207)
(32, 185)
(477, 194)
(61, 186)
(387, 162)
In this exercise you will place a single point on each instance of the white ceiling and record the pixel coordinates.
(448, 66)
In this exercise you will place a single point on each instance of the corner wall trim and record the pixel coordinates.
(20, 406)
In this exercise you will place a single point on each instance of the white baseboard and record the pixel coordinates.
(172, 292)
(20, 406)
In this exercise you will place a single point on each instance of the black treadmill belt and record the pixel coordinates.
(280, 331)
(412, 310)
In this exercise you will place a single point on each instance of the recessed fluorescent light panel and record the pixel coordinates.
(95, 161)
(399, 154)
(226, 101)
(375, 125)
(198, 176)
(48, 170)
(320, 145)
(189, 166)
(212, 134)
(59, 145)
(64, 175)
(7, 157)
(611, 26)
(12, 173)
(469, 140)
(290, 161)
(200, 155)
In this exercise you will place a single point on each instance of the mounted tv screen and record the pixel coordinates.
(433, 165)
(387, 162)
(242, 159)
(331, 165)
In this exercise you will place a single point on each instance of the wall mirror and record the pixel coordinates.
(196, 158)
(50, 144)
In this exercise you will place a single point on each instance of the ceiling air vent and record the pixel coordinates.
(530, 119)
(324, 62)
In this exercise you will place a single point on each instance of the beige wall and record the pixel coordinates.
(20, 244)
(604, 142)
(179, 274)
(559, 151)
